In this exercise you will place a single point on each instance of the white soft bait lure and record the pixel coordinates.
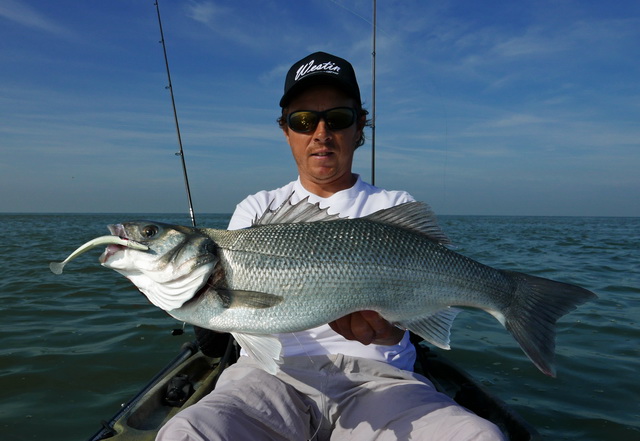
(57, 267)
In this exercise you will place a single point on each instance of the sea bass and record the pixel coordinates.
(298, 268)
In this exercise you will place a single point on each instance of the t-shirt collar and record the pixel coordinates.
(350, 192)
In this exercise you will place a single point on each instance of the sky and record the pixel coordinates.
(482, 108)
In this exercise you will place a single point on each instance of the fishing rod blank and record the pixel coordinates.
(373, 100)
(175, 117)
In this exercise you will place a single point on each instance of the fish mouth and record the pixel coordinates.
(112, 249)
(117, 230)
(109, 252)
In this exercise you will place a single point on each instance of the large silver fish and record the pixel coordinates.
(298, 268)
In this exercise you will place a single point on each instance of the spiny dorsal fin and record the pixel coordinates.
(289, 213)
(414, 216)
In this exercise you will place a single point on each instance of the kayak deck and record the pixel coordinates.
(192, 375)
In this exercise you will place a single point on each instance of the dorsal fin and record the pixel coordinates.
(289, 213)
(414, 216)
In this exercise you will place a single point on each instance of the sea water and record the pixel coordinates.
(76, 346)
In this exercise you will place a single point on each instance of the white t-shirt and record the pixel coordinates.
(358, 201)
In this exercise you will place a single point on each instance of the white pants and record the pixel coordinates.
(326, 398)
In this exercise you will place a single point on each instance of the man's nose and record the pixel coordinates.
(322, 132)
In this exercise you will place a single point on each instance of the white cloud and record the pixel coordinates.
(203, 12)
(21, 13)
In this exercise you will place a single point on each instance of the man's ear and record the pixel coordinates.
(285, 130)
(361, 122)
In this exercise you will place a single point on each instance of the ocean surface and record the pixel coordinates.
(76, 346)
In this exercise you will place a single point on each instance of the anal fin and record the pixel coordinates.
(434, 328)
(264, 349)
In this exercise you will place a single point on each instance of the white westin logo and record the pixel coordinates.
(329, 67)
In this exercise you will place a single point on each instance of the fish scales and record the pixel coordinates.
(386, 269)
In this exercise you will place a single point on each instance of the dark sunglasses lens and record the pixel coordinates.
(302, 121)
(306, 120)
(338, 119)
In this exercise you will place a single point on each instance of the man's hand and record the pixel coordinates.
(367, 327)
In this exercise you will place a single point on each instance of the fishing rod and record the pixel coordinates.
(175, 117)
(373, 93)
(373, 101)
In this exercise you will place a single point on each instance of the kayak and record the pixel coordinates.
(192, 374)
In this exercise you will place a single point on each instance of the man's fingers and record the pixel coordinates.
(367, 327)
(362, 328)
(343, 327)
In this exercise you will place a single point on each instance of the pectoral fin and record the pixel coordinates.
(247, 299)
(264, 349)
(434, 328)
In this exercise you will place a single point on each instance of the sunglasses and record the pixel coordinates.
(305, 121)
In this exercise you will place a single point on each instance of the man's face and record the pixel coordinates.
(323, 156)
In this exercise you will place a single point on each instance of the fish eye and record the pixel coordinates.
(149, 231)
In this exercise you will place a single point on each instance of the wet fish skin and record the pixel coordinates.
(287, 277)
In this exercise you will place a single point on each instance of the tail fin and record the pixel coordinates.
(538, 303)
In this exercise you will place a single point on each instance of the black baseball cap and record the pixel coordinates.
(320, 68)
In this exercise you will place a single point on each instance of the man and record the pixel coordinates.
(350, 379)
